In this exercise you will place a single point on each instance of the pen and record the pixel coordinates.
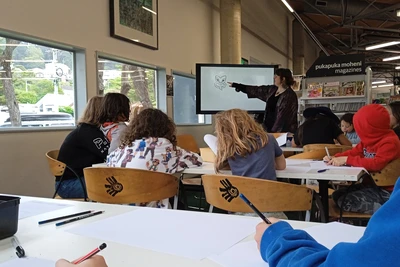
(79, 218)
(65, 217)
(18, 248)
(323, 170)
(254, 209)
(327, 153)
(90, 254)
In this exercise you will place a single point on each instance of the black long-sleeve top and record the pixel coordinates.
(285, 111)
(83, 147)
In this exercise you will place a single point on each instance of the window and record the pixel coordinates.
(185, 101)
(138, 83)
(36, 81)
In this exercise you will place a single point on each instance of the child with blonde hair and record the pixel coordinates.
(244, 144)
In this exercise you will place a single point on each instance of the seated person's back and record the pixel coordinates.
(321, 127)
(244, 144)
(149, 143)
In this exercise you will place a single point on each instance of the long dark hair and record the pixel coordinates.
(308, 121)
(115, 107)
(287, 74)
(150, 123)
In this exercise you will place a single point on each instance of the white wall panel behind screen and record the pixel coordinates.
(216, 95)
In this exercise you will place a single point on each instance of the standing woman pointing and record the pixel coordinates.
(281, 102)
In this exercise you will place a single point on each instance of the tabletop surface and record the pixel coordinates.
(49, 242)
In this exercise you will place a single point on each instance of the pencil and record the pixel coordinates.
(90, 254)
(254, 208)
(65, 217)
(79, 218)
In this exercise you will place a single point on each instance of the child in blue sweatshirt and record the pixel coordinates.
(280, 245)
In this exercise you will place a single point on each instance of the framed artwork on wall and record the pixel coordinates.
(135, 21)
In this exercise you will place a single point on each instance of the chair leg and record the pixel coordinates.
(308, 216)
(82, 185)
(58, 186)
(210, 209)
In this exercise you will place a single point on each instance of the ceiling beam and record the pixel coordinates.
(371, 28)
(373, 14)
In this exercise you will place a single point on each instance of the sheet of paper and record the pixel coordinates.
(296, 169)
(28, 262)
(282, 139)
(293, 162)
(331, 234)
(322, 165)
(241, 254)
(194, 235)
(33, 208)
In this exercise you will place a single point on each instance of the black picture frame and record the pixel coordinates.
(147, 36)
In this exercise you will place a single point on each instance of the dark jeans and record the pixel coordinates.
(360, 198)
(71, 188)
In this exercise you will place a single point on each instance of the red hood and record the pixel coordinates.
(372, 123)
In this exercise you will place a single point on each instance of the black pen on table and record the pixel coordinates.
(65, 217)
(79, 218)
(18, 248)
(254, 209)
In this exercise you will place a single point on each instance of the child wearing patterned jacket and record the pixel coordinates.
(149, 143)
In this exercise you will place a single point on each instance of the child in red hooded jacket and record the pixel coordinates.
(379, 145)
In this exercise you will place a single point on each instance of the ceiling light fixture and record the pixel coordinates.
(391, 58)
(386, 85)
(378, 82)
(288, 6)
(398, 12)
(382, 45)
(375, 86)
(397, 68)
(148, 9)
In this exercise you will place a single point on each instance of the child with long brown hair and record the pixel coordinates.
(244, 144)
(149, 143)
(83, 147)
(113, 115)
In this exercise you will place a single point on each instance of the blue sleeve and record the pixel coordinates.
(277, 148)
(282, 246)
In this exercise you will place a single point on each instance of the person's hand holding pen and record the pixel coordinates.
(260, 229)
(95, 261)
(337, 161)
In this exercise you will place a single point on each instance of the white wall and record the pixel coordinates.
(188, 33)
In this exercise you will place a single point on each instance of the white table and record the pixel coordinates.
(47, 242)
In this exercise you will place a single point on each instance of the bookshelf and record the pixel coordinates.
(342, 94)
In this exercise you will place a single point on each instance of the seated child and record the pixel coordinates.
(244, 144)
(84, 146)
(149, 143)
(113, 115)
(346, 125)
(394, 112)
(320, 127)
(379, 145)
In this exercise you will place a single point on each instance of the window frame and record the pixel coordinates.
(160, 77)
(207, 117)
(78, 70)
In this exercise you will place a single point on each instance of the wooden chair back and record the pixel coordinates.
(187, 142)
(331, 147)
(316, 154)
(388, 175)
(56, 167)
(126, 185)
(222, 191)
(207, 154)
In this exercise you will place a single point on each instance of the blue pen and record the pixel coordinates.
(254, 209)
(323, 170)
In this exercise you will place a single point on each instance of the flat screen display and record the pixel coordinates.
(213, 93)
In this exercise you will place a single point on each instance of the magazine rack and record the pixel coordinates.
(342, 94)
